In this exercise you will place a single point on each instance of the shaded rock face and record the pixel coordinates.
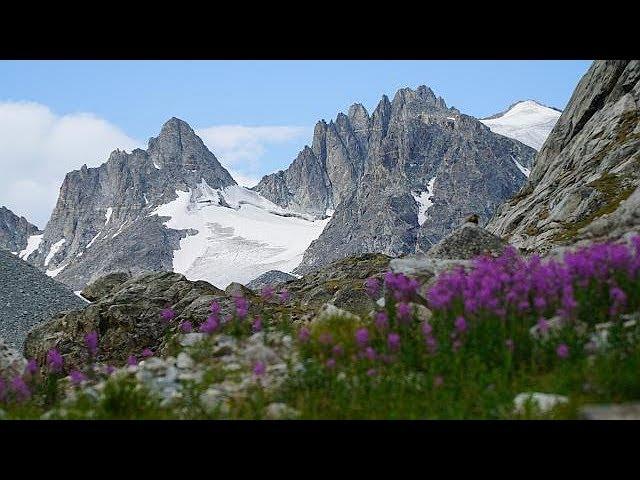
(101, 221)
(12, 363)
(584, 185)
(14, 231)
(400, 179)
(105, 285)
(28, 297)
(272, 278)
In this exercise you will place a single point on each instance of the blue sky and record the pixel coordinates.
(126, 102)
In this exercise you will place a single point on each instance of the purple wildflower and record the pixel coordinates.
(393, 340)
(147, 352)
(427, 329)
(167, 314)
(77, 377)
(509, 344)
(304, 334)
(337, 350)
(259, 369)
(372, 372)
(91, 341)
(456, 345)
(461, 324)
(331, 363)
(55, 361)
(284, 296)
(362, 336)
(562, 351)
(242, 306)
(256, 326)
(381, 320)
(132, 361)
(210, 325)
(404, 312)
(31, 368)
(215, 308)
(186, 327)
(109, 369)
(438, 381)
(20, 389)
(370, 353)
(372, 287)
(267, 293)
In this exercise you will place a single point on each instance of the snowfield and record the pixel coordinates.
(424, 201)
(33, 242)
(528, 122)
(240, 234)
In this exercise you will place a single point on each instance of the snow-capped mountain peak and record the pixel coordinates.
(527, 121)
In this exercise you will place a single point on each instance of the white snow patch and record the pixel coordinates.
(146, 201)
(33, 242)
(79, 294)
(424, 201)
(107, 215)
(525, 171)
(55, 248)
(528, 122)
(92, 240)
(329, 212)
(241, 234)
(118, 232)
(55, 271)
(156, 165)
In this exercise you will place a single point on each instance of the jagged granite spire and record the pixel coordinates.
(382, 172)
(101, 220)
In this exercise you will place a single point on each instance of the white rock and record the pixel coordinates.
(543, 402)
(190, 339)
(184, 361)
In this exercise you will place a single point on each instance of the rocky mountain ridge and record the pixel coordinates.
(15, 231)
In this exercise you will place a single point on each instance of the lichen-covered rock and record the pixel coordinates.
(466, 243)
(11, 362)
(105, 285)
(586, 169)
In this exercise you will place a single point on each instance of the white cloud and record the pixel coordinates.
(38, 147)
(241, 148)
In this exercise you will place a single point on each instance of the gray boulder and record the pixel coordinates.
(272, 278)
(105, 285)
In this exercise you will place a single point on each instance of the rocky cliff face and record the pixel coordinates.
(583, 182)
(102, 222)
(397, 180)
(15, 231)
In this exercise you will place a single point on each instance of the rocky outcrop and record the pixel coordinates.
(15, 231)
(102, 223)
(398, 180)
(11, 362)
(28, 297)
(272, 278)
(105, 285)
(583, 182)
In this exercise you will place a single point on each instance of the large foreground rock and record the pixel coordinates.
(584, 178)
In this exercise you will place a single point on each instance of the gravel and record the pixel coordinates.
(28, 297)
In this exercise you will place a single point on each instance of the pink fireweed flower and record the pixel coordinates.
(619, 299)
(431, 343)
(259, 369)
(132, 361)
(167, 314)
(325, 338)
(256, 326)
(242, 306)
(337, 350)
(509, 344)
(456, 345)
(372, 287)
(461, 324)
(267, 293)
(215, 308)
(543, 325)
(77, 377)
(304, 334)
(20, 389)
(284, 296)
(210, 325)
(362, 336)
(381, 320)
(370, 353)
(109, 369)
(404, 312)
(330, 363)
(55, 361)
(186, 327)
(372, 372)
(91, 341)
(427, 329)
(438, 381)
(393, 340)
(562, 351)
(31, 368)
(147, 352)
